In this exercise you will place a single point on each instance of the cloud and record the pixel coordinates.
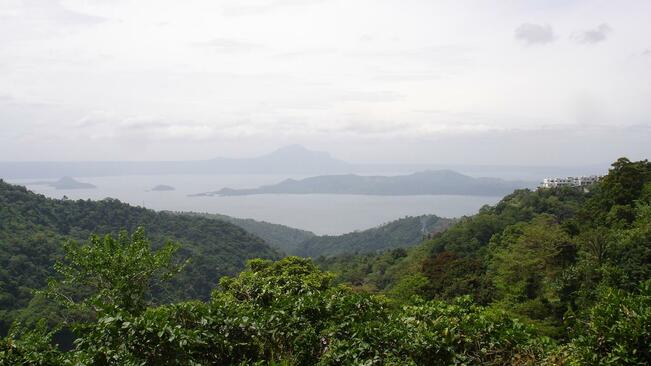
(52, 11)
(532, 34)
(308, 52)
(227, 45)
(408, 77)
(265, 7)
(33, 19)
(592, 36)
(101, 125)
(646, 52)
(370, 97)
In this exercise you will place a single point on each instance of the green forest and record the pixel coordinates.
(401, 233)
(280, 237)
(544, 277)
(34, 228)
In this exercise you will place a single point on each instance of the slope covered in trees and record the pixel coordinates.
(281, 237)
(551, 277)
(33, 229)
(401, 233)
(290, 313)
(545, 255)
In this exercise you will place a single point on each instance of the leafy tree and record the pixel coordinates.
(526, 265)
(110, 273)
(30, 347)
(616, 331)
(33, 228)
(450, 275)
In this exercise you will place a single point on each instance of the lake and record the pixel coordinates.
(320, 213)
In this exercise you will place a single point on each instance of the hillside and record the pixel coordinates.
(538, 254)
(546, 277)
(281, 237)
(402, 233)
(431, 182)
(33, 228)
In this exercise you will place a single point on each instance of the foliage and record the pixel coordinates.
(286, 312)
(112, 273)
(30, 347)
(281, 237)
(616, 331)
(33, 228)
(369, 272)
(546, 277)
(545, 256)
(402, 233)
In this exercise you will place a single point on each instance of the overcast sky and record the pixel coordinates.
(482, 82)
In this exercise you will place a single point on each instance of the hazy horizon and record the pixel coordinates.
(563, 82)
(442, 165)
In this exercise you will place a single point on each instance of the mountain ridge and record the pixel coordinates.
(429, 182)
(292, 159)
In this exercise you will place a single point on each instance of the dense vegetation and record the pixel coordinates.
(281, 237)
(289, 312)
(556, 277)
(33, 229)
(549, 257)
(401, 233)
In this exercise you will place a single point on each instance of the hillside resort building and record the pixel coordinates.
(582, 181)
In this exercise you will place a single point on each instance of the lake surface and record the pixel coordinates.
(320, 213)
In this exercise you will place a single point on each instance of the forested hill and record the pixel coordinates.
(281, 237)
(546, 256)
(546, 277)
(33, 228)
(402, 233)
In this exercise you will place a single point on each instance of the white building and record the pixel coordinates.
(582, 181)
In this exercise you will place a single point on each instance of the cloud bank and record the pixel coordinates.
(532, 34)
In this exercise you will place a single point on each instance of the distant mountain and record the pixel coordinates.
(431, 182)
(294, 159)
(162, 188)
(402, 233)
(66, 183)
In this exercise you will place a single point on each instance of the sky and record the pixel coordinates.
(556, 82)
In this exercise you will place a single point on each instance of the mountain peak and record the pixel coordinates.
(296, 149)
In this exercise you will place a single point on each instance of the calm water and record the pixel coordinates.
(320, 213)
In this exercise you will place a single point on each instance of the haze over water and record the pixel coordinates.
(320, 213)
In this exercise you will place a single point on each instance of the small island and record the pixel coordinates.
(66, 183)
(162, 188)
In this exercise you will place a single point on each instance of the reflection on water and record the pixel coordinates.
(320, 213)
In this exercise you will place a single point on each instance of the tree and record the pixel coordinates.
(450, 275)
(616, 331)
(528, 260)
(108, 273)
